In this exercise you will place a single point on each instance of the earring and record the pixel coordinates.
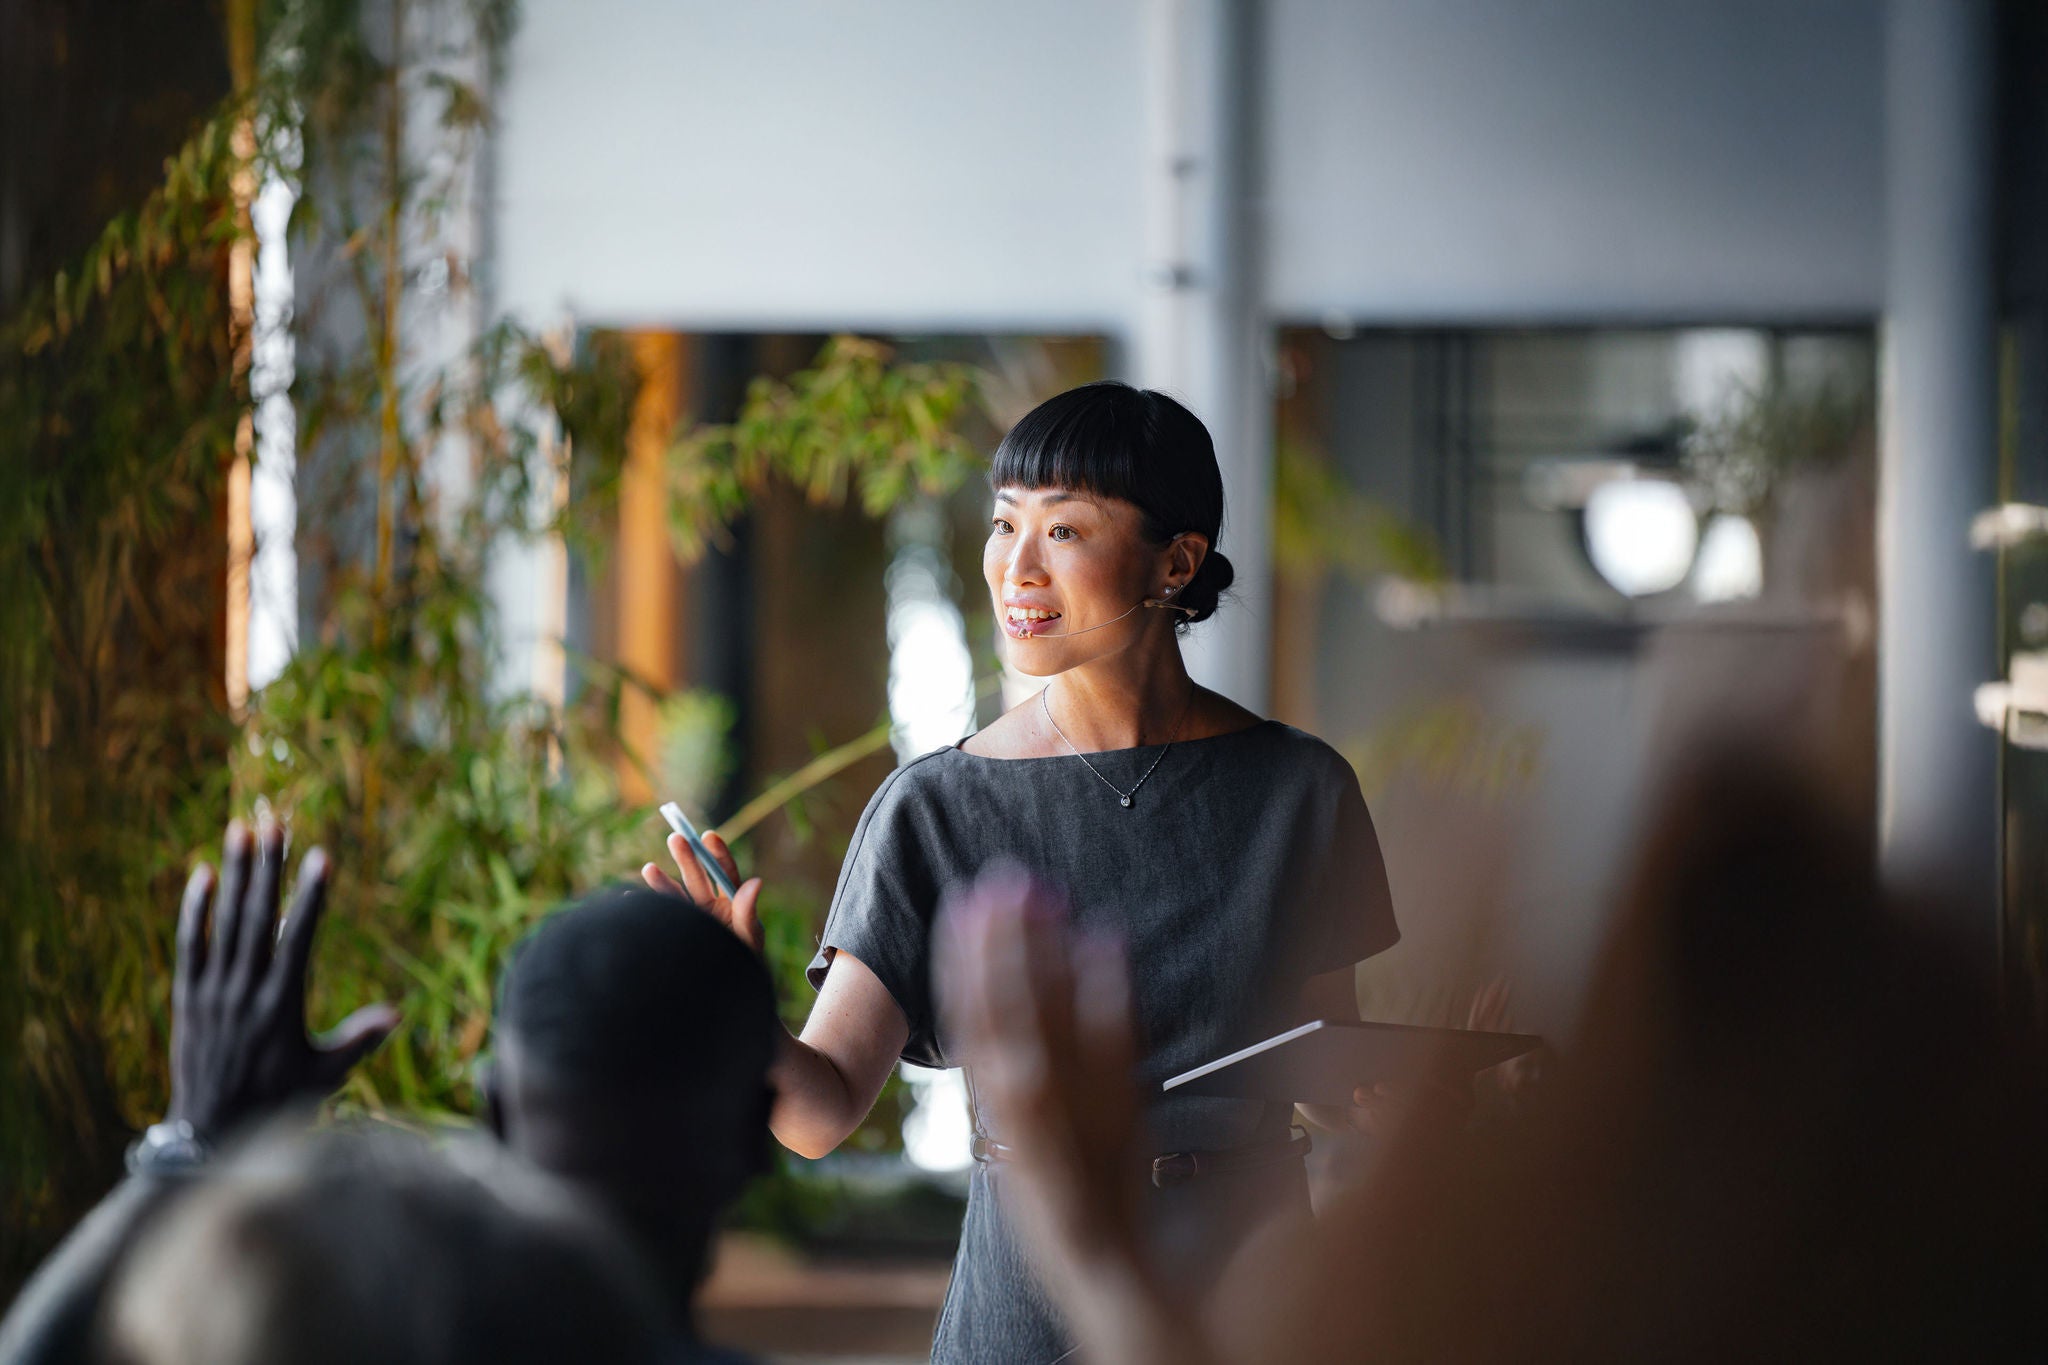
(1171, 591)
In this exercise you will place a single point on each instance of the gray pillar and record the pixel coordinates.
(1938, 818)
(1202, 331)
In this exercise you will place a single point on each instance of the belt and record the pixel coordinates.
(1175, 1168)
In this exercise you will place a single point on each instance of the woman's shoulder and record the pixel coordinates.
(1296, 755)
(1224, 718)
(900, 807)
(1216, 715)
(913, 779)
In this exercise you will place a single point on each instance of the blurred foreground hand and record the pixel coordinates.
(1041, 1016)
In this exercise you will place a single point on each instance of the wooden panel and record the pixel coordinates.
(646, 577)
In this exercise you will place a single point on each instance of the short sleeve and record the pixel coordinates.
(882, 911)
(1357, 904)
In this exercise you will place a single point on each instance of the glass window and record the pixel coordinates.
(1490, 544)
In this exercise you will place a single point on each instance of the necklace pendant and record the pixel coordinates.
(1126, 801)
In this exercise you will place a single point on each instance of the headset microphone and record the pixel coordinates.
(1147, 602)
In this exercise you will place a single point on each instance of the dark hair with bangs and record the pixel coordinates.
(1139, 445)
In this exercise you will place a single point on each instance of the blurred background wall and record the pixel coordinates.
(1429, 247)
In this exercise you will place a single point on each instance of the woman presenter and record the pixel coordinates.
(1233, 856)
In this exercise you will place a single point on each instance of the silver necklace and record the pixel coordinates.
(1123, 797)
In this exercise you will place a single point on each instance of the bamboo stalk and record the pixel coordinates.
(825, 766)
(241, 335)
(389, 454)
(822, 769)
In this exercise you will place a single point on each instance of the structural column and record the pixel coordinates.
(1938, 816)
(1201, 333)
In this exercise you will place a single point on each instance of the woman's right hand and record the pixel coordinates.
(735, 912)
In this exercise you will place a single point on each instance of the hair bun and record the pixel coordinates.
(1202, 593)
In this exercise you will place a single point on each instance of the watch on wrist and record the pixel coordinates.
(173, 1148)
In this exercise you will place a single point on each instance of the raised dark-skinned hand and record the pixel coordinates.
(240, 1050)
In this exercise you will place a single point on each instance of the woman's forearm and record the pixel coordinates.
(827, 1080)
(815, 1107)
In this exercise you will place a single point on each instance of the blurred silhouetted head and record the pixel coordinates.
(634, 1034)
(1138, 445)
(1792, 1124)
(347, 1246)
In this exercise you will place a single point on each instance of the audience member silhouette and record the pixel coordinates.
(632, 1048)
(344, 1246)
(632, 1045)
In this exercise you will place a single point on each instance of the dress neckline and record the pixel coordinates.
(1261, 724)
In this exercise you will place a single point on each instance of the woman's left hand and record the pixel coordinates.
(1379, 1110)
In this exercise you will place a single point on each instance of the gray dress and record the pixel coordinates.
(1246, 865)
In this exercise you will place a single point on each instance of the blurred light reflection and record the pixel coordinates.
(1641, 535)
(1730, 566)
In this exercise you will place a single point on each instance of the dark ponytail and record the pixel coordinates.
(1138, 445)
